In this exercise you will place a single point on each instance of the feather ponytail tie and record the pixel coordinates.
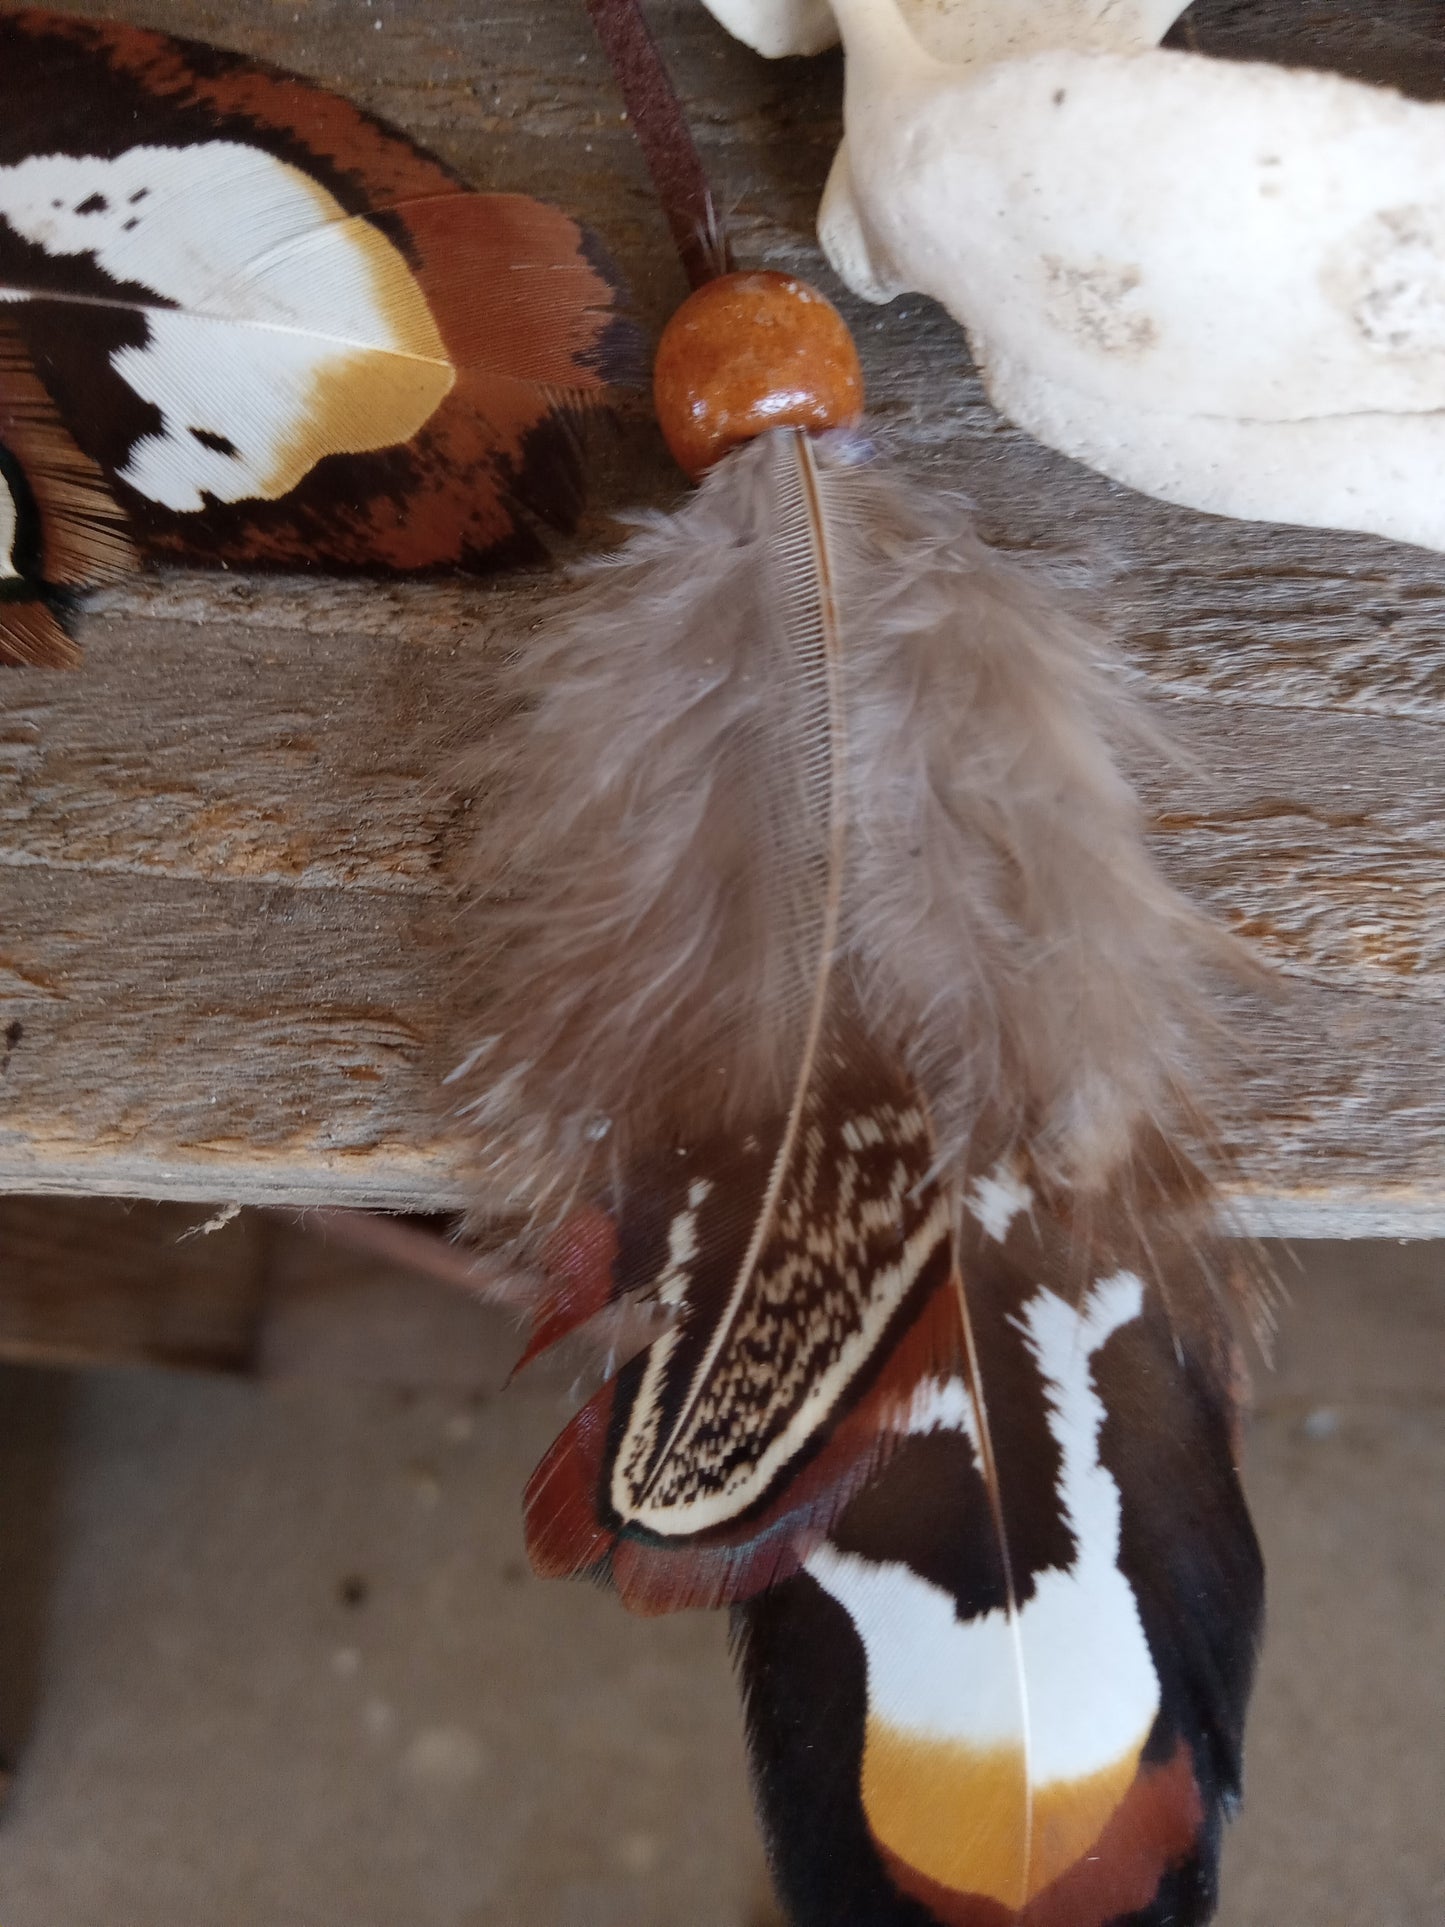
(839, 1043)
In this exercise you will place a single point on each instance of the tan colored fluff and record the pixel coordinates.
(700, 809)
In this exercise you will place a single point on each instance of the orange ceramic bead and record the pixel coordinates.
(750, 352)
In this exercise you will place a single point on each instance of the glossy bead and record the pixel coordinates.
(750, 352)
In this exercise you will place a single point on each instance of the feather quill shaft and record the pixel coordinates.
(988, 1466)
(811, 630)
(1009, 1684)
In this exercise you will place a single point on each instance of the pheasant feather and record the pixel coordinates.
(842, 1037)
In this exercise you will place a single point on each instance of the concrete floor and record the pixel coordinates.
(270, 1657)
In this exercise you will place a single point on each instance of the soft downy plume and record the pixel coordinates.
(698, 817)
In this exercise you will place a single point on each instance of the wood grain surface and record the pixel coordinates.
(229, 845)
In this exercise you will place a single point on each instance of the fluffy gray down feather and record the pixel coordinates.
(691, 813)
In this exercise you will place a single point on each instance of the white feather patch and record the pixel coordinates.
(1090, 1693)
(299, 331)
(682, 1246)
(942, 1405)
(999, 1198)
(9, 525)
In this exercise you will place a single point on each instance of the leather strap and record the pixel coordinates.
(663, 134)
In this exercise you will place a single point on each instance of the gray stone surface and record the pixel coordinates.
(271, 1658)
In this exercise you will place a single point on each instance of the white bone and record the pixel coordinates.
(1222, 283)
(778, 27)
(959, 30)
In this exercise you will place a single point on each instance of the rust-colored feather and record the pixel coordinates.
(60, 527)
(282, 333)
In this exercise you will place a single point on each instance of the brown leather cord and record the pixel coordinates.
(663, 134)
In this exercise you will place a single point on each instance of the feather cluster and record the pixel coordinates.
(831, 971)
(701, 809)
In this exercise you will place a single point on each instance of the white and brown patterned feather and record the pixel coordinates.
(1010, 1685)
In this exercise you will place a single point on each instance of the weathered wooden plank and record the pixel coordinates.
(242, 1040)
(227, 846)
(1317, 836)
(299, 1001)
(313, 756)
